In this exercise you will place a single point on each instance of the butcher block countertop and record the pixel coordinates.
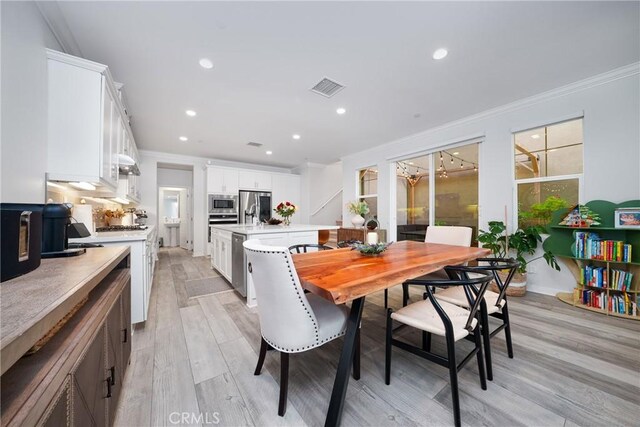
(32, 304)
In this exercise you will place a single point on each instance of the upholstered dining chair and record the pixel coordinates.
(290, 320)
(494, 304)
(433, 316)
(443, 234)
(308, 247)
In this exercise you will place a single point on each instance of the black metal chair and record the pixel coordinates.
(494, 304)
(304, 248)
(442, 318)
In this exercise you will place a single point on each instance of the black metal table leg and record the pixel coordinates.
(336, 404)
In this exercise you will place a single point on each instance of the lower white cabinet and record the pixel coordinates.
(221, 252)
(143, 259)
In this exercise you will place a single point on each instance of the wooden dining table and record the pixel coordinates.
(345, 275)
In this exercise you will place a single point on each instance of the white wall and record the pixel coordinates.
(318, 184)
(610, 104)
(24, 36)
(175, 177)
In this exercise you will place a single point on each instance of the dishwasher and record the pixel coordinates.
(239, 264)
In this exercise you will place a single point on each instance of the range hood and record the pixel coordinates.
(127, 166)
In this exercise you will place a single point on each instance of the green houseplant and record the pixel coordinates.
(523, 241)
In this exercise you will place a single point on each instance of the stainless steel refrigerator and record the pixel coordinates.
(254, 204)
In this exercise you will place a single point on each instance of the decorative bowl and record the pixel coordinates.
(371, 250)
(274, 221)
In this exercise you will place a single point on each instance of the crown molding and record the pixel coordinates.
(581, 85)
(50, 11)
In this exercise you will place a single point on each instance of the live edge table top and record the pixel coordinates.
(342, 275)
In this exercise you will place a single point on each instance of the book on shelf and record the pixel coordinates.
(619, 304)
(620, 280)
(590, 245)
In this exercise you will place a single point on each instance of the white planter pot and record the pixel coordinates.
(357, 221)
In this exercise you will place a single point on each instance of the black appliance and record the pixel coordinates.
(56, 218)
(21, 243)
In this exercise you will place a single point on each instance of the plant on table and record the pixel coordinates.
(359, 209)
(285, 210)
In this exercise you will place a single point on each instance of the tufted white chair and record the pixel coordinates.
(290, 320)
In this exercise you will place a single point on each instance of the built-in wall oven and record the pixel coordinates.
(223, 209)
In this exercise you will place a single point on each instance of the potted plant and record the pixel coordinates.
(358, 209)
(524, 241)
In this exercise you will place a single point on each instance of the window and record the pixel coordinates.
(440, 188)
(548, 170)
(368, 189)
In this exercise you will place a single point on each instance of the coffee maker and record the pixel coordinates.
(56, 219)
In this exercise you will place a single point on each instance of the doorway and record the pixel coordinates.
(174, 217)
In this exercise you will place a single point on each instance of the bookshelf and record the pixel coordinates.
(607, 286)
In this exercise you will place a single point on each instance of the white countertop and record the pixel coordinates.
(116, 236)
(272, 229)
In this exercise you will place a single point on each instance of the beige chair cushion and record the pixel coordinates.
(423, 315)
(455, 295)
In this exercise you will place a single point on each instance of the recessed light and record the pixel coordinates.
(206, 63)
(440, 53)
(269, 152)
(410, 163)
(341, 110)
(295, 136)
(183, 139)
(536, 136)
(455, 153)
(190, 113)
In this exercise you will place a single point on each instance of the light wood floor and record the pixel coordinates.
(197, 356)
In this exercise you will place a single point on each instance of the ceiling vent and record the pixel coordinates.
(254, 144)
(326, 87)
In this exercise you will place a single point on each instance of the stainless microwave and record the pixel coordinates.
(223, 204)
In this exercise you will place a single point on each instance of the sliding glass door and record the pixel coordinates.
(439, 188)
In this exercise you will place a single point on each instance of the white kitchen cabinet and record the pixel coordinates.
(222, 180)
(82, 122)
(221, 252)
(142, 265)
(128, 188)
(254, 180)
(286, 187)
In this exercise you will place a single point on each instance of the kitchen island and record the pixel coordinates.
(227, 253)
(143, 244)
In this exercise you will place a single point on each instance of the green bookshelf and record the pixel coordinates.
(561, 241)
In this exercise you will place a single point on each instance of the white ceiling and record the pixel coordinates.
(267, 55)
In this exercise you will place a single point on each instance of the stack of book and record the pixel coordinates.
(597, 299)
(622, 304)
(591, 246)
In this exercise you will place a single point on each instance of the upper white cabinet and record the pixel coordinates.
(222, 181)
(254, 180)
(87, 127)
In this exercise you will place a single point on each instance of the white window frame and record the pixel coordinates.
(369, 196)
